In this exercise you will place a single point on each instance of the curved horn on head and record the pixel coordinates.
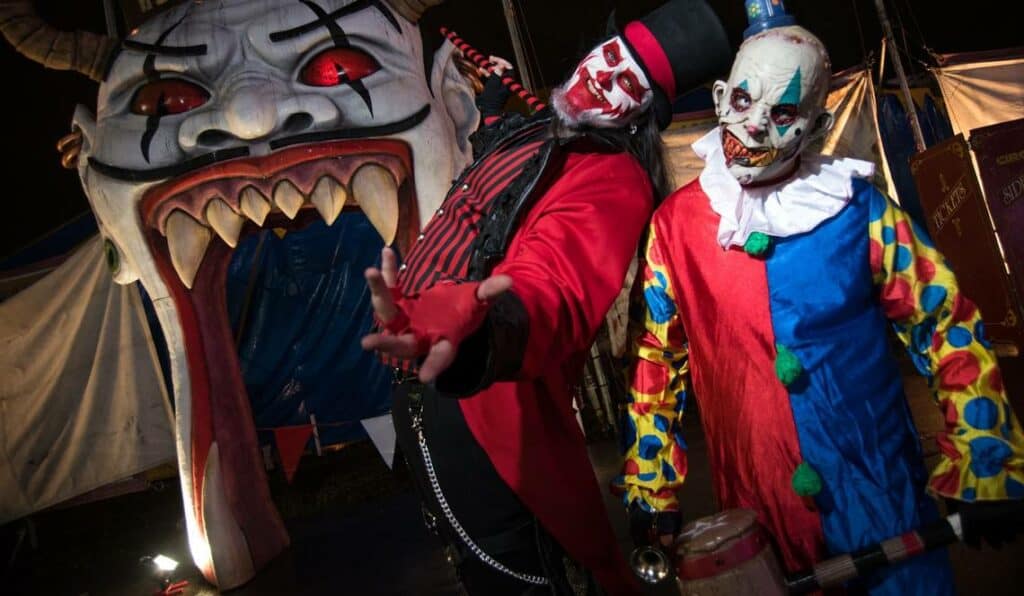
(412, 10)
(80, 51)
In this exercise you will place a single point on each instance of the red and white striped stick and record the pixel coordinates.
(532, 101)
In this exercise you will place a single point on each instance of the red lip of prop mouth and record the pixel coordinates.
(302, 167)
(224, 199)
(192, 224)
(738, 153)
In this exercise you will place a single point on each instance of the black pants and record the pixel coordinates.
(491, 514)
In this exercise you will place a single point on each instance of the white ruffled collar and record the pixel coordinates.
(822, 186)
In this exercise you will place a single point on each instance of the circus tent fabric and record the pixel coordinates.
(82, 402)
(855, 132)
(982, 88)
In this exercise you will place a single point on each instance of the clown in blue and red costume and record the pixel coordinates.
(769, 286)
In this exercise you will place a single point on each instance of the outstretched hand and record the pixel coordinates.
(407, 345)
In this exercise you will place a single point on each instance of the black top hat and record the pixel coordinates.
(680, 45)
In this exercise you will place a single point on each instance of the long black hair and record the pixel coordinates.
(641, 138)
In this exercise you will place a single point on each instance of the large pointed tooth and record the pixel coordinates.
(224, 221)
(288, 198)
(255, 206)
(375, 190)
(187, 240)
(329, 198)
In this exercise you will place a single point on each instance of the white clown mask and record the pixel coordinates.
(608, 89)
(773, 105)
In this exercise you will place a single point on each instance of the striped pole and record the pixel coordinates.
(839, 570)
(532, 101)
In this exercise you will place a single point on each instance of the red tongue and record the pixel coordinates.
(220, 405)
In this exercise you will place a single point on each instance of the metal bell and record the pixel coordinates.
(650, 564)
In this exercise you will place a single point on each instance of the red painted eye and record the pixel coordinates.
(168, 96)
(611, 53)
(632, 85)
(336, 66)
(784, 114)
(740, 100)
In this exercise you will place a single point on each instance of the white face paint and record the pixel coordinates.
(773, 105)
(218, 118)
(607, 90)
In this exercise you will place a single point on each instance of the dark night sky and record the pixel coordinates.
(40, 195)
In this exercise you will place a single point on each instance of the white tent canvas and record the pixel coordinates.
(82, 399)
(982, 88)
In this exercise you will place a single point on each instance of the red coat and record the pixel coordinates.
(567, 261)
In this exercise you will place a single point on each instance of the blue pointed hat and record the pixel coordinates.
(766, 14)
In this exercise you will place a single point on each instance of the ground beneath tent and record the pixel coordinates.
(355, 529)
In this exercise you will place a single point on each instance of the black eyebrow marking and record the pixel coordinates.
(323, 18)
(151, 73)
(162, 50)
(341, 40)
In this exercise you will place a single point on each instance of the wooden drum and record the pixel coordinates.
(727, 554)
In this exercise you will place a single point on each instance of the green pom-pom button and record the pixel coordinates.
(757, 244)
(787, 365)
(806, 481)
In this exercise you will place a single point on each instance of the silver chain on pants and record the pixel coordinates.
(428, 463)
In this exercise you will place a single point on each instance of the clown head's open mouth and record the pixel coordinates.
(282, 189)
(193, 223)
(217, 121)
(739, 154)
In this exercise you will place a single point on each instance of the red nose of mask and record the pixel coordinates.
(604, 79)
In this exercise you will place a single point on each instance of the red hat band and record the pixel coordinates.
(652, 56)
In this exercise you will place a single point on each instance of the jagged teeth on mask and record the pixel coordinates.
(255, 206)
(187, 240)
(224, 221)
(376, 191)
(329, 198)
(288, 198)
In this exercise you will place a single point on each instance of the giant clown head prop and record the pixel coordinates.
(773, 105)
(215, 119)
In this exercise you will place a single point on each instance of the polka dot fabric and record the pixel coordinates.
(982, 447)
(653, 446)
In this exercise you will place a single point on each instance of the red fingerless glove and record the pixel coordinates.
(398, 324)
(446, 311)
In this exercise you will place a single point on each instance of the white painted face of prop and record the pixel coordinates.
(246, 58)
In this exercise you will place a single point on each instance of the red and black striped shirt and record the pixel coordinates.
(443, 249)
